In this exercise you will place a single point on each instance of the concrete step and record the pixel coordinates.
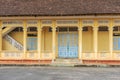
(66, 62)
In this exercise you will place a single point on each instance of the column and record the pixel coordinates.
(80, 42)
(54, 39)
(111, 40)
(25, 38)
(95, 41)
(39, 40)
(0, 38)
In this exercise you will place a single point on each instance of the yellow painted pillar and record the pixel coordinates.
(0, 38)
(80, 41)
(95, 39)
(39, 40)
(54, 39)
(111, 39)
(25, 38)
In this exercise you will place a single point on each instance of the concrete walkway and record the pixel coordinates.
(59, 73)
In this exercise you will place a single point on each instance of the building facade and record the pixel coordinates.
(91, 36)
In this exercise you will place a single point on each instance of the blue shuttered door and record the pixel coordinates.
(32, 43)
(62, 45)
(68, 45)
(116, 43)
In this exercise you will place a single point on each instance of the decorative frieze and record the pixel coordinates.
(103, 22)
(32, 23)
(12, 23)
(31, 55)
(67, 22)
(88, 22)
(116, 22)
(46, 21)
(12, 54)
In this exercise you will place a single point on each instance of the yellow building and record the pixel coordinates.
(42, 31)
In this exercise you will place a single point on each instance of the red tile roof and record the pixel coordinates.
(58, 7)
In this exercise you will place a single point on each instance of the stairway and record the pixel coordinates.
(6, 30)
(13, 42)
(66, 62)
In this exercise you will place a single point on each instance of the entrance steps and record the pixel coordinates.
(66, 62)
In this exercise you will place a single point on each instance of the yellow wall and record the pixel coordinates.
(7, 46)
(87, 38)
(18, 36)
(103, 41)
(46, 40)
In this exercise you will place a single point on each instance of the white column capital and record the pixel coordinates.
(39, 28)
(95, 28)
(80, 28)
(54, 29)
(110, 28)
(24, 29)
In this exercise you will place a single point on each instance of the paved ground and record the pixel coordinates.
(59, 73)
